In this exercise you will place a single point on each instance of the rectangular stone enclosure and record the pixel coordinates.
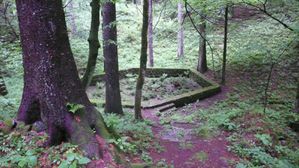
(209, 88)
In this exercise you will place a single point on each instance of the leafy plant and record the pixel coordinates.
(74, 108)
(73, 159)
(123, 144)
(265, 139)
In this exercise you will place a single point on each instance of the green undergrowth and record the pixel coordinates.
(25, 149)
(154, 89)
(21, 148)
(259, 139)
(137, 133)
(136, 137)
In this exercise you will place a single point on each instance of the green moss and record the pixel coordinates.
(200, 156)
(205, 132)
(186, 145)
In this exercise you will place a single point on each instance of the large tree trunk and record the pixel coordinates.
(93, 41)
(51, 79)
(150, 34)
(180, 51)
(224, 45)
(113, 99)
(143, 60)
(202, 60)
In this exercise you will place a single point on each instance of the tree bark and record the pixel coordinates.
(143, 60)
(51, 79)
(94, 43)
(150, 34)
(224, 45)
(202, 60)
(113, 99)
(180, 51)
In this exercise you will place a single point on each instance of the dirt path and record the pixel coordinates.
(183, 149)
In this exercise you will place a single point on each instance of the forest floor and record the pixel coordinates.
(181, 146)
(187, 141)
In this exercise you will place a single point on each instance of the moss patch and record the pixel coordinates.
(200, 156)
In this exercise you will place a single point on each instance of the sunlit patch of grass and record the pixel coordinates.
(206, 132)
(186, 145)
(200, 156)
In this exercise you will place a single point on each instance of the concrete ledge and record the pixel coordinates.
(209, 87)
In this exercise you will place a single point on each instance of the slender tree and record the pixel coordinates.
(113, 99)
(51, 82)
(180, 51)
(93, 41)
(150, 33)
(224, 45)
(202, 65)
(143, 60)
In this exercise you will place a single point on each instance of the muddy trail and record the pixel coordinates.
(181, 148)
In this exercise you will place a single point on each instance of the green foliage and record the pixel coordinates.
(201, 156)
(265, 139)
(204, 132)
(123, 144)
(73, 159)
(24, 149)
(146, 157)
(11, 70)
(74, 108)
(135, 135)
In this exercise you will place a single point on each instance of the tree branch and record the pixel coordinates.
(265, 11)
(67, 3)
(209, 44)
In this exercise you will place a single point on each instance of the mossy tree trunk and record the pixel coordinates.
(143, 60)
(224, 45)
(180, 52)
(202, 65)
(51, 79)
(94, 43)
